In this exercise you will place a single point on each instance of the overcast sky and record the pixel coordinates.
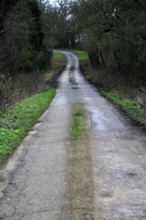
(52, 1)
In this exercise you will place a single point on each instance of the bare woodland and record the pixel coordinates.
(113, 32)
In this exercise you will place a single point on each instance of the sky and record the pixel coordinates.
(52, 1)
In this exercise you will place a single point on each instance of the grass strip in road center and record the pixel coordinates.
(18, 120)
(80, 168)
(77, 122)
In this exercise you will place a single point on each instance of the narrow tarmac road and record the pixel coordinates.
(34, 184)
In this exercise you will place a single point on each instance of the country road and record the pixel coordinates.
(35, 184)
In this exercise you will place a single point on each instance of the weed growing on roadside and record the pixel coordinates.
(133, 109)
(18, 120)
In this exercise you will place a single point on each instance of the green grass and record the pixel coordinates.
(58, 60)
(57, 55)
(82, 55)
(48, 75)
(131, 108)
(58, 64)
(80, 175)
(77, 127)
(17, 121)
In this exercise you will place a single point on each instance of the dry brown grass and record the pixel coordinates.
(23, 84)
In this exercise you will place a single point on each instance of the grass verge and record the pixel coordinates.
(82, 55)
(58, 64)
(59, 61)
(135, 111)
(58, 55)
(18, 120)
(80, 177)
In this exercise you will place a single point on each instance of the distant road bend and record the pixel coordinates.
(35, 184)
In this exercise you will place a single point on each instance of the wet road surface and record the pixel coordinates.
(34, 184)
